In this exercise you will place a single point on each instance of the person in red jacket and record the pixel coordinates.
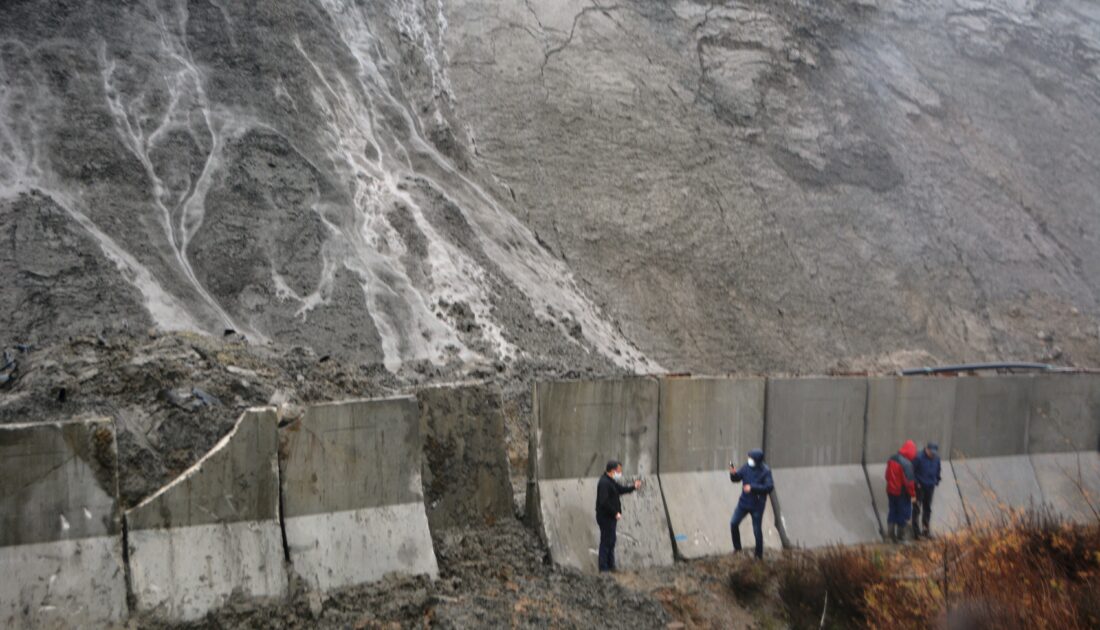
(900, 489)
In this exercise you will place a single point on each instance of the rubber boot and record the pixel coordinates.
(916, 531)
(893, 532)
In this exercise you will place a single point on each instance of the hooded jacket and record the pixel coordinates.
(899, 471)
(759, 478)
(927, 470)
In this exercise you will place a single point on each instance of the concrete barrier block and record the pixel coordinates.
(824, 505)
(60, 527)
(814, 440)
(1064, 413)
(704, 424)
(993, 487)
(568, 509)
(700, 505)
(582, 424)
(1070, 484)
(947, 507)
(815, 421)
(352, 496)
(921, 409)
(465, 467)
(991, 416)
(578, 426)
(214, 530)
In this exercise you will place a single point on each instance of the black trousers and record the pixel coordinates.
(607, 542)
(922, 507)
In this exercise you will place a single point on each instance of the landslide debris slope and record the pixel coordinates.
(636, 185)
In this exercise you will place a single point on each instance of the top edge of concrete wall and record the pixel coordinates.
(349, 401)
(579, 425)
(706, 422)
(58, 481)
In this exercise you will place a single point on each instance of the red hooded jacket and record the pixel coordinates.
(899, 471)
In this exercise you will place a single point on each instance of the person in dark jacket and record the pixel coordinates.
(609, 510)
(900, 489)
(756, 484)
(926, 469)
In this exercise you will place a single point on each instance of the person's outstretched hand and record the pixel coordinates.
(637, 483)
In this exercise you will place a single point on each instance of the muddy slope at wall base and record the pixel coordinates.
(495, 576)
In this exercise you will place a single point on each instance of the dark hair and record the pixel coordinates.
(612, 465)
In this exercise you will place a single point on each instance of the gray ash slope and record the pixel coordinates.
(706, 186)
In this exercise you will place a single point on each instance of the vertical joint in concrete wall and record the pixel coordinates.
(863, 459)
(676, 554)
(777, 512)
(532, 498)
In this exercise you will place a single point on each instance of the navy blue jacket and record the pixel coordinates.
(927, 470)
(760, 478)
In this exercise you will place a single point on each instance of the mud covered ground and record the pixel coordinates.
(489, 577)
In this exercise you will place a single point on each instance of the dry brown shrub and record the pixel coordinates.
(801, 589)
(748, 579)
(1029, 570)
(848, 574)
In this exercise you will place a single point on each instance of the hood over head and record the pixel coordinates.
(757, 456)
(908, 450)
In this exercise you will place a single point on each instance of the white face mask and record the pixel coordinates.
(752, 462)
(616, 475)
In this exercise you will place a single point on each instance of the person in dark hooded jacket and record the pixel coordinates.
(926, 468)
(900, 489)
(756, 484)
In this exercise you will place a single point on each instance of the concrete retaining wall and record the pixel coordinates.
(465, 460)
(704, 424)
(989, 446)
(1063, 439)
(60, 530)
(214, 530)
(577, 427)
(353, 504)
(921, 409)
(814, 440)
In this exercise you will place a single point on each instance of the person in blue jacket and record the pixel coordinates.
(756, 484)
(926, 469)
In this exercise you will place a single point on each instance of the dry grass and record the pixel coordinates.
(1028, 571)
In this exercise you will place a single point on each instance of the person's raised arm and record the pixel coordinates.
(735, 475)
(631, 488)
